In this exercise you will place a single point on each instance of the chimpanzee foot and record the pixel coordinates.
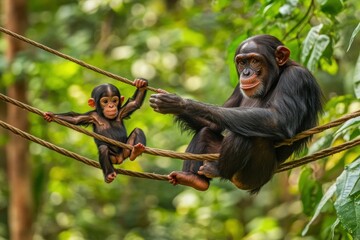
(110, 177)
(209, 169)
(137, 150)
(188, 179)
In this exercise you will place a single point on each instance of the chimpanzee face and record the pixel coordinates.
(107, 100)
(252, 69)
(258, 61)
(109, 105)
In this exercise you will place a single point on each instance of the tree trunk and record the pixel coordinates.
(17, 149)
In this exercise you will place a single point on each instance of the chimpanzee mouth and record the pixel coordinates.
(249, 83)
(111, 113)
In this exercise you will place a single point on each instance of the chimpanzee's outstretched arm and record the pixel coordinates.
(191, 122)
(71, 117)
(260, 122)
(196, 122)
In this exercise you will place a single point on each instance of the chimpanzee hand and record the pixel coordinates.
(140, 83)
(49, 116)
(167, 103)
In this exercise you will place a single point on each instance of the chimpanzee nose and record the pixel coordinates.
(246, 72)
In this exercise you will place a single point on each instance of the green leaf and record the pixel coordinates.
(335, 224)
(356, 78)
(332, 7)
(309, 42)
(321, 143)
(329, 193)
(314, 47)
(349, 125)
(310, 191)
(347, 204)
(321, 44)
(355, 32)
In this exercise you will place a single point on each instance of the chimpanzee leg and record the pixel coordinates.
(251, 165)
(105, 163)
(205, 141)
(138, 140)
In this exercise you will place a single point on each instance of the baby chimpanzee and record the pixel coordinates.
(107, 120)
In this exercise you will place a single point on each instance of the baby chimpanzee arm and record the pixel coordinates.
(72, 117)
(136, 101)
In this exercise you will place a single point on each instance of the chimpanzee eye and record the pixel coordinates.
(255, 63)
(115, 100)
(104, 100)
(241, 62)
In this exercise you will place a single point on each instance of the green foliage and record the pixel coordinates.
(331, 7)
(353, 35)
(315, 45)
(310, 190)
(347, 203)
(356, 78)
(342, 214)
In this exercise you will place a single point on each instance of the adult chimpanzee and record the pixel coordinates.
(275, 99)
(107, 120)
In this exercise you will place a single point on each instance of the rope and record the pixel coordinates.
(283, 167)
(72, 59)
(318, 155)
(167, 153)
(77, 156)
(152, 151)
(184, 156)
(319, 129)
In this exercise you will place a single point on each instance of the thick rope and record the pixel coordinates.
(184, 156)
(152, 151)
(72, 59)
(319, 129)
(77, 156)
(318, 155)
(283, 167)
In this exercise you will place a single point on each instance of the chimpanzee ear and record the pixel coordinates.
(122, 100)
(282, 55)
(91, 102)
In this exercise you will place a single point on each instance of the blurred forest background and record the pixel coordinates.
(185, 47)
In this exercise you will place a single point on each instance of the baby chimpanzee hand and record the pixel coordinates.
(140, 83)
(49, 116)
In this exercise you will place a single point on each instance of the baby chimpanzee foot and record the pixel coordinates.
(110, 177)
(137, 150)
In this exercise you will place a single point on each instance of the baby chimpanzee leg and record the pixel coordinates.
(138, 140)
(106, 164)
